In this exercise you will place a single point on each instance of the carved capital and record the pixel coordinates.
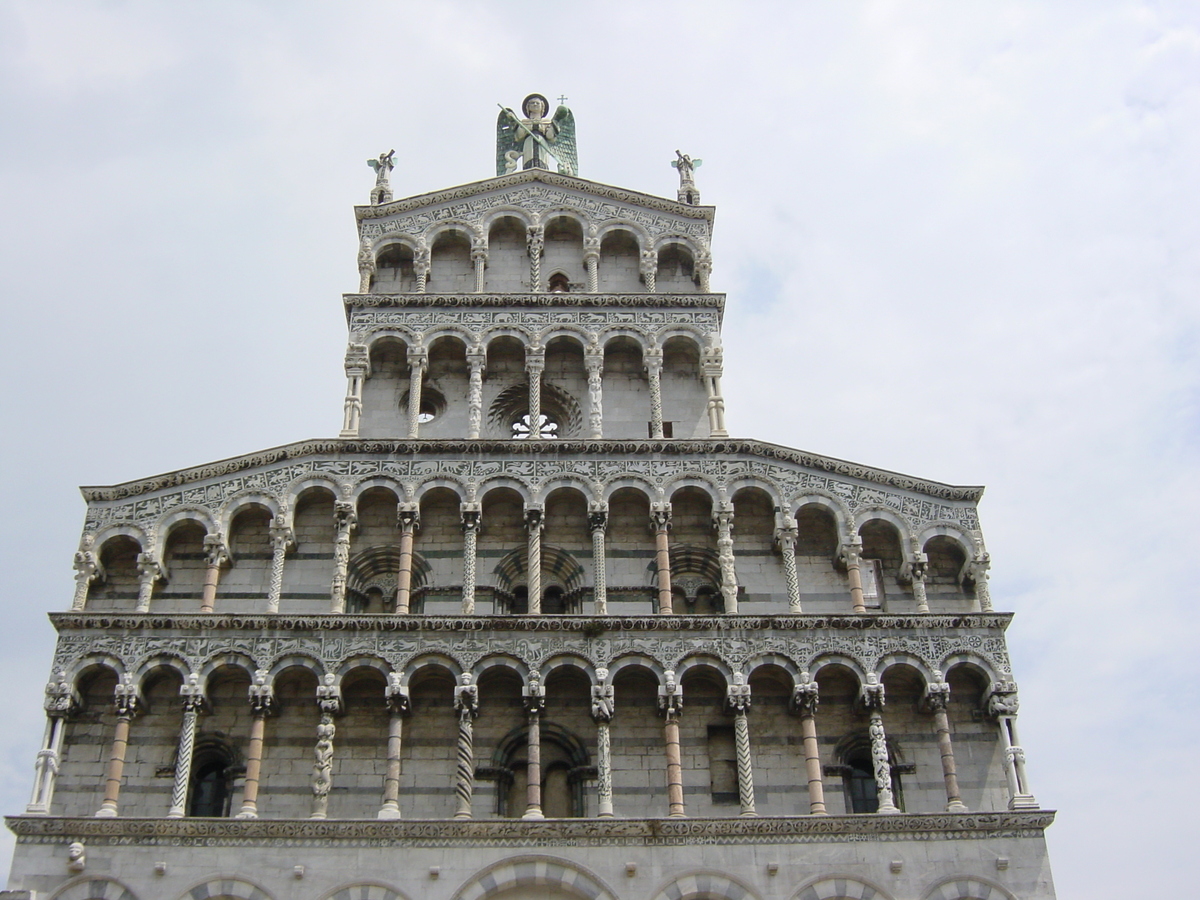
(603, 697)
(418, 359)
(937, 696)
(191, 694)
(597, 516)
(870, 695)
(805, 698)
(216, 554)
(850, 551)
(150, 569)
(535, 518)
(358, 362)
(282, 536)
(61, 698)
(396, 695)
(652, 362)
(648, 262)
(914, 568)
(660, 516)
(1003, 700)
(738, 694)
(786, 535)
(87, 566)
(466, 697)
(345, 517)
(535, 359)
(536, 236)
(534, 695)
(471, 516)
(262, 694)
(408, 516)
(670, 695)
(126, 698)
(329, 695)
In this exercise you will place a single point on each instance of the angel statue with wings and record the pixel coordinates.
(532, 142)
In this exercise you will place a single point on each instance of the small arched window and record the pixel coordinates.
(559, 283)
(861, 790)
(211, 788)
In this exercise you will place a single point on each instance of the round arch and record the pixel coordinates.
(225, 889)
(840, 887)
(94, 887)
(705, 885)
(967, 887)
(570, 879)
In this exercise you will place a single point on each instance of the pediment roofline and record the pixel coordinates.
(502, 182)
(516, 450)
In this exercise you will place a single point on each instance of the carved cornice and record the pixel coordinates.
(589, 625)
(515, 450)
(528, 176)
(550, 300)
(520, 832)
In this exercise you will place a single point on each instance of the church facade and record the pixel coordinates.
(533, 625)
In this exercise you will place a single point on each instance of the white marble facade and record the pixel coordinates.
(533, 625)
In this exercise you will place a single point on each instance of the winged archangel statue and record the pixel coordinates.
(534, 141)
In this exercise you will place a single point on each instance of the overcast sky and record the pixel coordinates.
(959, 240)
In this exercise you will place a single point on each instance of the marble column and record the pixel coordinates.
(150, 571)
(851, 557)
(329, 701)
(593, 361)
(61, 701)
(535, 363)
(978, 572)
(710, 371)
(262, 700)
(466, 704)
(536, 237)
(915, 569)
(216, 556)
(470, 524)
(654, 365)
(535, 704)
(358, 367)
(421, 267)
(670, 703)
(602, 712)
(408, 517)
(805, 699)
(476, 363)
(191, 696)
(87, 570)
(399, 705)
(283, 542)
(1002, 705)
(125, 702)
(534, 522)
(648, 269)
(785, 537)
(872, 697)
(937, 698)
(739, 703)
(598, 523)
(479, 256)
(591, 259)
(345, 520)
(723, 519)
(418, 361)
(660, 522)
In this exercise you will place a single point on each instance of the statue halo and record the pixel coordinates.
(525, 103)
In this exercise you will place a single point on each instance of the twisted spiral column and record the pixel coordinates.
(787, 551)
(533, 577)
(282, 541)
(654, 363)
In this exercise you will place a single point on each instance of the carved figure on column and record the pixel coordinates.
(593, 360)
(534, 142)
(537, 244)
(723, 519)
(421, 264)
(977, 571)
(476, 361)
(914, 570)
(687, 180)
(603, 701)
(87, 570)
(383, 165)
(871, 696)
(150, 571)
(648, 269)
(329, 700)
(345, 519)
(366, 266)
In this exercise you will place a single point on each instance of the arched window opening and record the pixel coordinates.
(211, 784)
(519, 605)
(566, 770)
(857, 770)
(559, 283)
(394, 270)
(554, 601)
